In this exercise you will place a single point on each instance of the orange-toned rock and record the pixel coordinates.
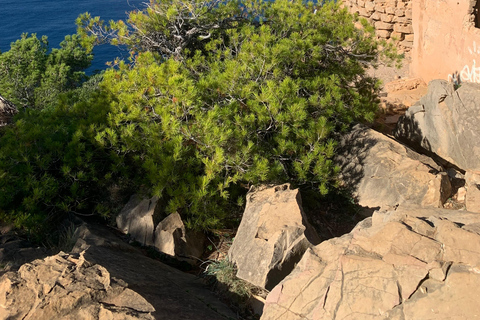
(472, 196)
(379, 25)
(172, 238)
(272, 236)
(404, 84)
(409, 263)
(386, 16)
(67, 287)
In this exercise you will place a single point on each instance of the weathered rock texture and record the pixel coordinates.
(272, 236)
(472, 194)
(392, 19)
(382, 172)
(7, 111)
(397, 96)
(67, 287)
(446, 122)
(136, 219)
(175, 295)
(447, 41)
(172, 238)
(170, 235)
(411, 263)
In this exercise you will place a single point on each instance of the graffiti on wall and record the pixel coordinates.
(470, 72)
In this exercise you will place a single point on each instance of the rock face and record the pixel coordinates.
(382, 172)
(175, 295)
(445, 122)
(172, 238)
(67, 287)
(472, 196)
(272, 236)
(7, 111)
(136, 219)
(410, 263)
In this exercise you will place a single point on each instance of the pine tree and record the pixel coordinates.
(32, 76)
(215, 97)
(226, 94)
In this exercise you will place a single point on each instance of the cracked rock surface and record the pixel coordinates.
(67, 287)
(105, 279)
(445, 122)
(382, 172)
(272, 237)
(408, 263)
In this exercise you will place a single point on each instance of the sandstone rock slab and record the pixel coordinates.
(172, 238)
(382, 172)
(445, 122)
(175, 295)
(409, 263)
(272, 236)
(68, 287)
(136, 219)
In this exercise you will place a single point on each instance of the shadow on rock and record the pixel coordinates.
(381, 172)
(173, 294)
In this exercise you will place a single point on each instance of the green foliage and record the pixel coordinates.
(166, 27)
(50, 165)
(260, 103)
(225, 272)
(257, 95)
(32, 76)
(221, 274)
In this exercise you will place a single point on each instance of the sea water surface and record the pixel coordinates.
(56, 18)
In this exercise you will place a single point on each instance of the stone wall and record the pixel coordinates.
(392, 19)
(447, 41)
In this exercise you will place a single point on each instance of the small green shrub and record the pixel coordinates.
(50, 167)
(224, 273)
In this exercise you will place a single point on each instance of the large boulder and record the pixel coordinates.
(272, 236)
(384, 173)
(409, 263)
(445, 122)
(136, 219)
(68, 287)
(172, 238)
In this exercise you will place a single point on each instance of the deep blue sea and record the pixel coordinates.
(56, 18)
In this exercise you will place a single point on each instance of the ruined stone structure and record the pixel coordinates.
(447, 42)
(441, 37)
(392, 19)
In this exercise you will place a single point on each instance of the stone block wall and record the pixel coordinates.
(392, 19)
